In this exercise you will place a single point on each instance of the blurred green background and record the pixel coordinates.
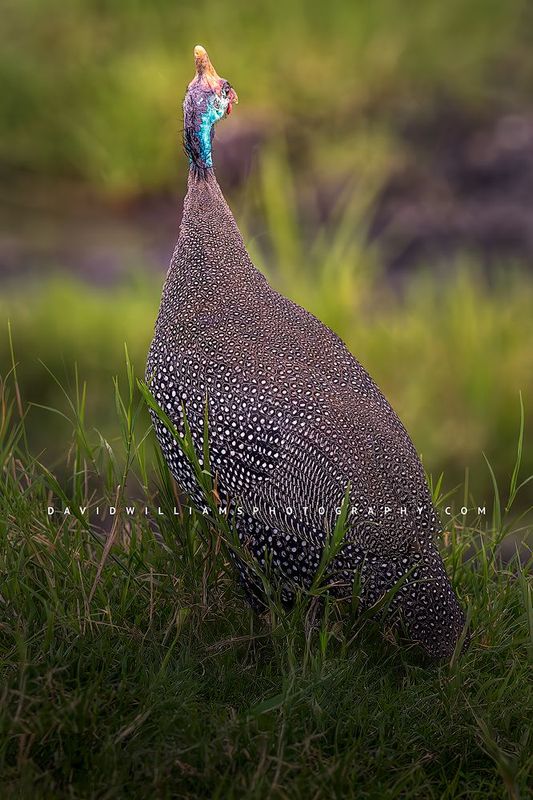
(380, 165)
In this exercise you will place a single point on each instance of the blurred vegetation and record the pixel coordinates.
(452, 358)
(93, 88)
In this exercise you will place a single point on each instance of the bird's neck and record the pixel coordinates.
(210, 265)
(199, 117)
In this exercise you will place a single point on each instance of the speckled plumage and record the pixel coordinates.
(293, 419)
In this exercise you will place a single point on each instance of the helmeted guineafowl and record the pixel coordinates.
(293, 418)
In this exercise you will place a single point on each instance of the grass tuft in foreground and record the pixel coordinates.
(131, 666)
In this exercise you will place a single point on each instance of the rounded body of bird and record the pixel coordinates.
(293, 421)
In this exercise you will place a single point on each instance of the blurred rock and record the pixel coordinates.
(467, 186)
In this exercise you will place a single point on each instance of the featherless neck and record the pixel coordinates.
(200, 113)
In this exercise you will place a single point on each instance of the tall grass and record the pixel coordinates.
(131, 664)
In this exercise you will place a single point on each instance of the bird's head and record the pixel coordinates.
(209, 98)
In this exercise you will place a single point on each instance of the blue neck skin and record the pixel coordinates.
(204, 133)
(202, 111)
